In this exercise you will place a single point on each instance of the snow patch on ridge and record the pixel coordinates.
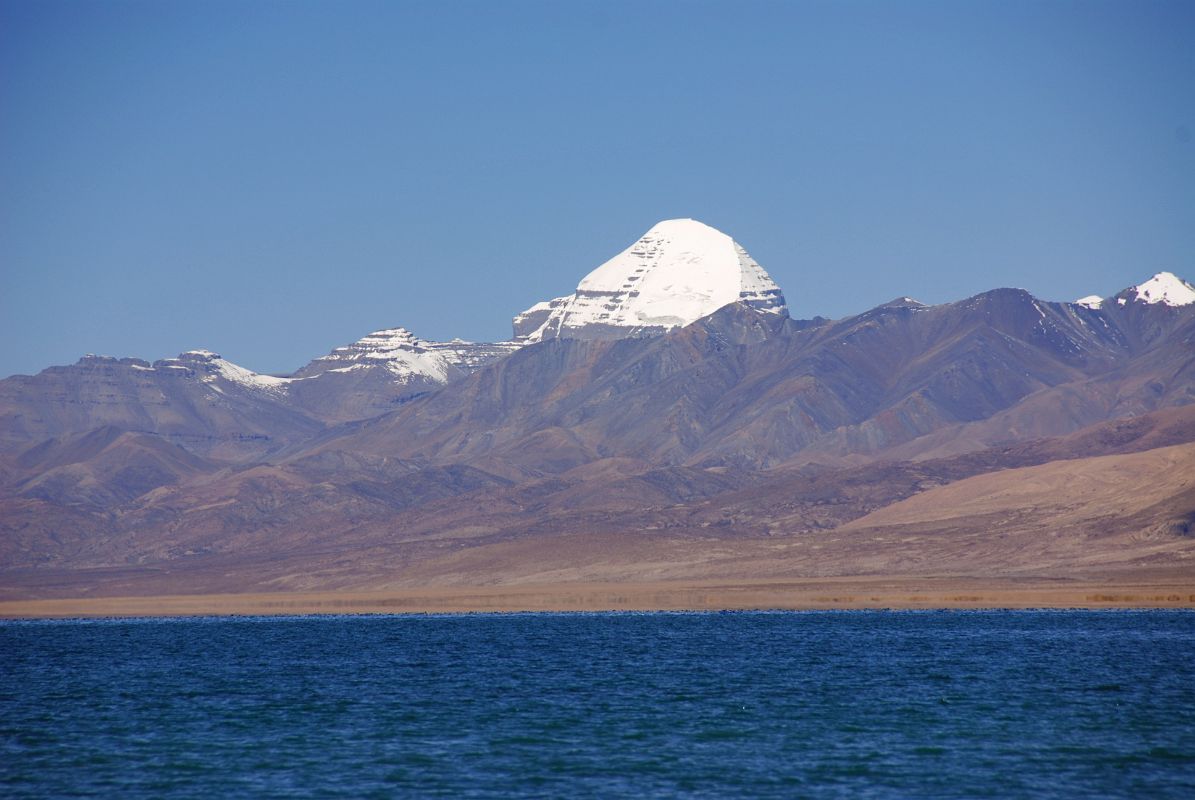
(245, 377)
(211, 367)
(1164, 288)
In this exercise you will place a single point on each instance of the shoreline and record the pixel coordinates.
(709, 595)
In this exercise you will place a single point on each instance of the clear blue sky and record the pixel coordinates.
(272, 179)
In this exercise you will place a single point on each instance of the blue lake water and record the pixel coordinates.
(819, 705)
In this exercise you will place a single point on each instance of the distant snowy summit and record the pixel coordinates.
(675, 274)
(1164, 288)
(396, 355)
(402, 354)
(384, 369)
(372, 375)
(207, 367)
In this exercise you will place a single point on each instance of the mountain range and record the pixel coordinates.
(667, 420)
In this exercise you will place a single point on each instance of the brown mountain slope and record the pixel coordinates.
(1083, 515)
(270, 528)
(1072, 492)
(1085, 521)
(187, 401)
(1109, 515)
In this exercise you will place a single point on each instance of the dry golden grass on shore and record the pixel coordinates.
(813, 594)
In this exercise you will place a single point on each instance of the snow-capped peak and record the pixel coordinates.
(1166, 288)
(397, 350)
(406, 357)
(678, 272)
(212, 366)
(1090, 301)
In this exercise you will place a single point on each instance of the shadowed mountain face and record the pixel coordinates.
(104, 468)
(214, 408)
(190, 401)
(750, 390)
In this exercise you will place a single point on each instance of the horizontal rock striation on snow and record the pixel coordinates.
(677, 273)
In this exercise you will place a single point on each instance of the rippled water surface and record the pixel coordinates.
(853, 704)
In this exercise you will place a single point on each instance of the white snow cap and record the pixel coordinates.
(398, 350)
(1167, 288)
(678, 272)
(248, 378)
(1090, 301)
(214, 366)
(406, 357)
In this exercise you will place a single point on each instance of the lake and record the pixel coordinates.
(861, 704)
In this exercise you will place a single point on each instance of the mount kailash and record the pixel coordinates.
(670, 397)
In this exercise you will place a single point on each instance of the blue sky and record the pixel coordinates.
(272, 179)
